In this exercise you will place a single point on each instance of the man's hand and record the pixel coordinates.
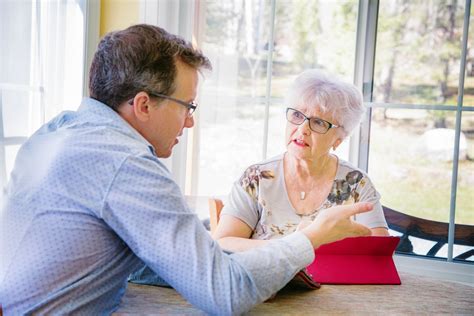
(334, 223)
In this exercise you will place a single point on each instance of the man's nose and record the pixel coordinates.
(189, 122)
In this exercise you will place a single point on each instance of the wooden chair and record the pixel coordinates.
(405, 224)
(215, 208)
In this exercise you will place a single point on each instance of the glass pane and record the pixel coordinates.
(469, 79)
(465, 190)
(8, 160)
(309, 34)
(235, 38)
(16, 113)
(418, 52)
(10, 153)
(15, 23)
(410, 164)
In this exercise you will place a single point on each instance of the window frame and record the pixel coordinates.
(359, 143)
(91, 11)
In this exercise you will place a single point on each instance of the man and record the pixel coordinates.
(89, 200)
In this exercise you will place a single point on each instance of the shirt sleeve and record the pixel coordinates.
(367, 193)
(242, 206)
(147, 211)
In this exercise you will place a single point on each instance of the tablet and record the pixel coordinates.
(356, 260)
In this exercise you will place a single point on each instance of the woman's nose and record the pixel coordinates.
(304, 128)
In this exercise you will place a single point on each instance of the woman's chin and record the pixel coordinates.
(298, 153)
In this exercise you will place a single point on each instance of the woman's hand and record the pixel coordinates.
(334, 223)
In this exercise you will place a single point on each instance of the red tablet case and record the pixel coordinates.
(357, 260)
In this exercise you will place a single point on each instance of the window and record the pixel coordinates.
(408, 58)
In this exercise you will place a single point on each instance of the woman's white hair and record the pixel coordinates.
(329, 94)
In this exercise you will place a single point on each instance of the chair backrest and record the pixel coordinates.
(429, 230)
(215, 208)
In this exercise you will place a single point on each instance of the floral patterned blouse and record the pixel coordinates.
(259, 198)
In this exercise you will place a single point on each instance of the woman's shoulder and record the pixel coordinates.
(271, 162)
(349, 173)
(350, 183)
(269, 165)
(352, 176)
(253, 174)
(346, 168)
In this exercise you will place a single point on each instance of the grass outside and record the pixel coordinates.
(412, 182)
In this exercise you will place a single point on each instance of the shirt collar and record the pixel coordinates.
(107, 116)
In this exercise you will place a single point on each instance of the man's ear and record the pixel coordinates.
(141, 106)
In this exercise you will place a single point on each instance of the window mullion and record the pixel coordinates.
(91, 14)
(271, 38)
(364, 76)
(454, 177)
(3, 163)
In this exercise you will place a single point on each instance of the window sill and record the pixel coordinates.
(436, 269)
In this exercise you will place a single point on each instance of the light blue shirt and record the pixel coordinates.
(89, 202)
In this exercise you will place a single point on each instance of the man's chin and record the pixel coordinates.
(164, 154)
(167, 155)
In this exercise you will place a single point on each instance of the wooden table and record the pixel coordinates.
(416, 295)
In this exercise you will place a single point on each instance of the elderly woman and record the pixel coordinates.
(272, 198)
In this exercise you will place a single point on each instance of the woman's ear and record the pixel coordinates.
(337, 143)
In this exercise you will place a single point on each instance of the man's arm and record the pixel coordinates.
(146, 209)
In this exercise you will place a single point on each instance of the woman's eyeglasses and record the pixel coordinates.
(316, 124)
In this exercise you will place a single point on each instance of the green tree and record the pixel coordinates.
(391, 37)
(444, 30)
(307, 28)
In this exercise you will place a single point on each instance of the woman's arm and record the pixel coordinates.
(233, 234)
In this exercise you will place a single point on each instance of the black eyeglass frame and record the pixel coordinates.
(191, 106)
(330, 125)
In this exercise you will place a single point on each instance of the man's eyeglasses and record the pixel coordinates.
(191, 106)
(315, 124)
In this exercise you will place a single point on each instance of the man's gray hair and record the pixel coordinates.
(329, 94)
